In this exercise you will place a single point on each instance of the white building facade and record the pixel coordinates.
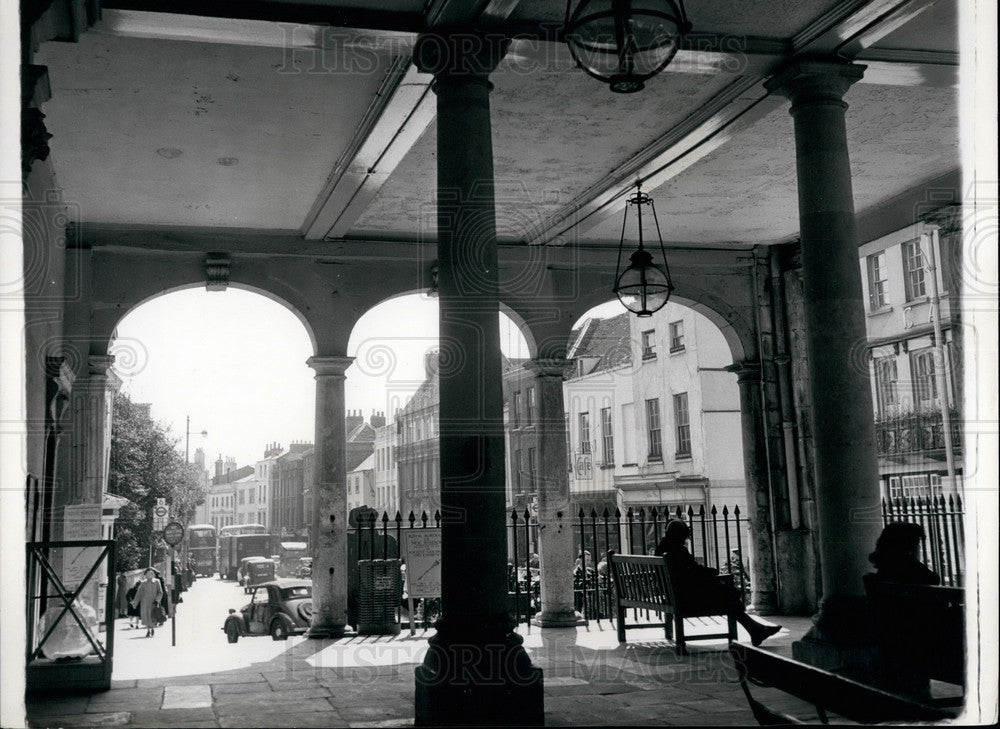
(361, 484)
(386, 474)
(910, 282)
(653, 415)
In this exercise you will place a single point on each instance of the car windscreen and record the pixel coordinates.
(293, 592)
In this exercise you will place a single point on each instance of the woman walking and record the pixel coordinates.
(146, 597)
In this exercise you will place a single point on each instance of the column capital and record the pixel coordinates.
(459, 54)
(100, 364)
(812, 81)
(58, 370)
(330, 366)
(745, 371)
(550, 367)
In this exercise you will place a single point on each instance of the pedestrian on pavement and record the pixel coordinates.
(121, 595)
(132, 609)
(703, 584)
(146, 597)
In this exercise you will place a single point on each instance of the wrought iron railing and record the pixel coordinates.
(943, 520)
(915, 433)
(718, 539)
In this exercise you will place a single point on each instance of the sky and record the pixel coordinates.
(235, 363)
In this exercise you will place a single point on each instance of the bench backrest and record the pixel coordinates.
(920, 628)
(640, 578)
(827, 691)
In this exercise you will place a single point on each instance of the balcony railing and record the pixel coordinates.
(914, 433)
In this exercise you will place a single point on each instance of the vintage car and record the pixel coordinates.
(305, 567)
(255, 571)
(278, 608)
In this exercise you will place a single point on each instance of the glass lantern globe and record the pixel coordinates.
(624, 42)
(643, 287)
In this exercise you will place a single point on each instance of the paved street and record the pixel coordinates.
(368, 681)
(201, 645)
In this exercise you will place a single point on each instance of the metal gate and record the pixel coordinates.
(64, 649)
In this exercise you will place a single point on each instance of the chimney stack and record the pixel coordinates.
(377, 419)
(353, 420)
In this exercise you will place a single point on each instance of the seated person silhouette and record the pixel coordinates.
(919, 636)
(897, 555)
(702, 583)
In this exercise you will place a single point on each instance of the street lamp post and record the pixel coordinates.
(187, 437)
(941, 364)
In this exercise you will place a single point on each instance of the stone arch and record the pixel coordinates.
(509, 311)
(327, 299)
(547, 328)
(306, 324)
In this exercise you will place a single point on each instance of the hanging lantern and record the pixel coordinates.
(624, 42)
(643, 287)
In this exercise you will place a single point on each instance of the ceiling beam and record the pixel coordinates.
(281, 12)
(154, 240)
(850, 25)
(856, 26)
(737, 107)
(400, 113)
(403, 109)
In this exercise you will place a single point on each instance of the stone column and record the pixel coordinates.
(843, 423)
(50, 496)
(92, 405)
(329, 488)
(554, 515)
(476, 671)
(755, 468)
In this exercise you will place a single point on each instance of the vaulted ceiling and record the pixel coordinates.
(310, 117)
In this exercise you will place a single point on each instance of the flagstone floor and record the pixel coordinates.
(590, 680)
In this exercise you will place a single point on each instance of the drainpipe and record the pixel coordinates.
(773, 527)
(783, 368)
(929, 242)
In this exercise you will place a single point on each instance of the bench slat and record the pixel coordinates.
(643, 582)
(827, 691)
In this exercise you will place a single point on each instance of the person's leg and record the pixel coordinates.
(759, 631)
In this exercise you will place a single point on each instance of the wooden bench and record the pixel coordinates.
(921, 634)
(826, 691)
(644, 583)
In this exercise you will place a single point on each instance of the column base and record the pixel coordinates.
(763, 603)
(558, 619)
(842, 640)
(321, 632)
(473, 678)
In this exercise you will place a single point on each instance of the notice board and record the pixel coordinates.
(422, 552)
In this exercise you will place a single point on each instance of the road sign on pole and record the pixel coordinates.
(173, 533)
(161, 513)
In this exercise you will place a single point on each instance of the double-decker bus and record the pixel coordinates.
(200, 543)
(237, 541)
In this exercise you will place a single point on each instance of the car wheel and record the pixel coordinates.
(278, 630)
(232, 631)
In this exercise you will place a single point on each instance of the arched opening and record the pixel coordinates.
(392, 385)
(653, 431)
(233, 362)
(223, 376)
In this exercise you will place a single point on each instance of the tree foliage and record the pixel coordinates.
(145, 466)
